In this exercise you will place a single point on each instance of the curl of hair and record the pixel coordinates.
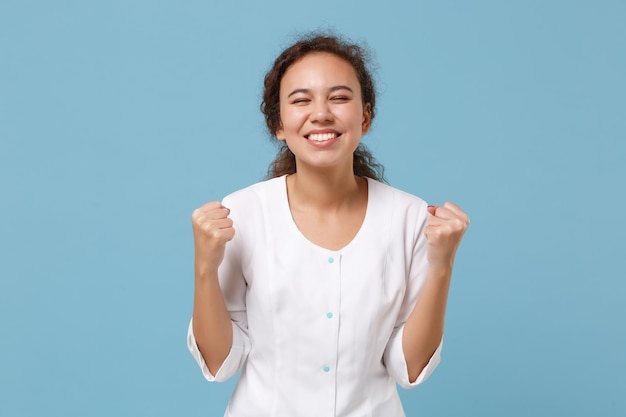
(358, 57)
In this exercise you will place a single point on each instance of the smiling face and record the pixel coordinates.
(321, 111)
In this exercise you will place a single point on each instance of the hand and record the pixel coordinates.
(212, 229)
(444, 231)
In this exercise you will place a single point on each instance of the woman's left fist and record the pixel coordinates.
(444, 231)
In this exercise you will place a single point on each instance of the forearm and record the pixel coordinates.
(423, 329)
(212, 325)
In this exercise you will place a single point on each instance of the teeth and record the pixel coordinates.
(322, 137)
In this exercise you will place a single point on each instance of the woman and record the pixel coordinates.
(334, 286)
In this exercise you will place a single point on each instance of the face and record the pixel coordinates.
(322, 112)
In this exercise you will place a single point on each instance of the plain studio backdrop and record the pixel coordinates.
(118, 118)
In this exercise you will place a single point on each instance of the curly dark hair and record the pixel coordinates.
(358, 57)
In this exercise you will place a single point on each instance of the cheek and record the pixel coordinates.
(355, 118)
(292, 119)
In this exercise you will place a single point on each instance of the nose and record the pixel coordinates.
(320, 112)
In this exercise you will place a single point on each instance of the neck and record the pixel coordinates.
(324, 189)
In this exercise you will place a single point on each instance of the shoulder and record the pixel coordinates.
(249, 208)
(253, 194)
(256, 203)
(399, 211)
(399, 198)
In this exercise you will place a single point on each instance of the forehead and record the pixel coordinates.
(319, 69)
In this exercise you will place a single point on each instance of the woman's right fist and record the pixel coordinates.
(212, 228)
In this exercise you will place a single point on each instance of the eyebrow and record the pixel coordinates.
(331, 90)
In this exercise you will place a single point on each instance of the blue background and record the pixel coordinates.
(118, 118)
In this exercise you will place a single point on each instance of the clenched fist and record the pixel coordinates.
(444, 231)
(212, 229)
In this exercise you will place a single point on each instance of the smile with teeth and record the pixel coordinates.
(322, 137)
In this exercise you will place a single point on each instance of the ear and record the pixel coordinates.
(280, 133)
(367, 118)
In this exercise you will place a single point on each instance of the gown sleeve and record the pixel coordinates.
(393, 356)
